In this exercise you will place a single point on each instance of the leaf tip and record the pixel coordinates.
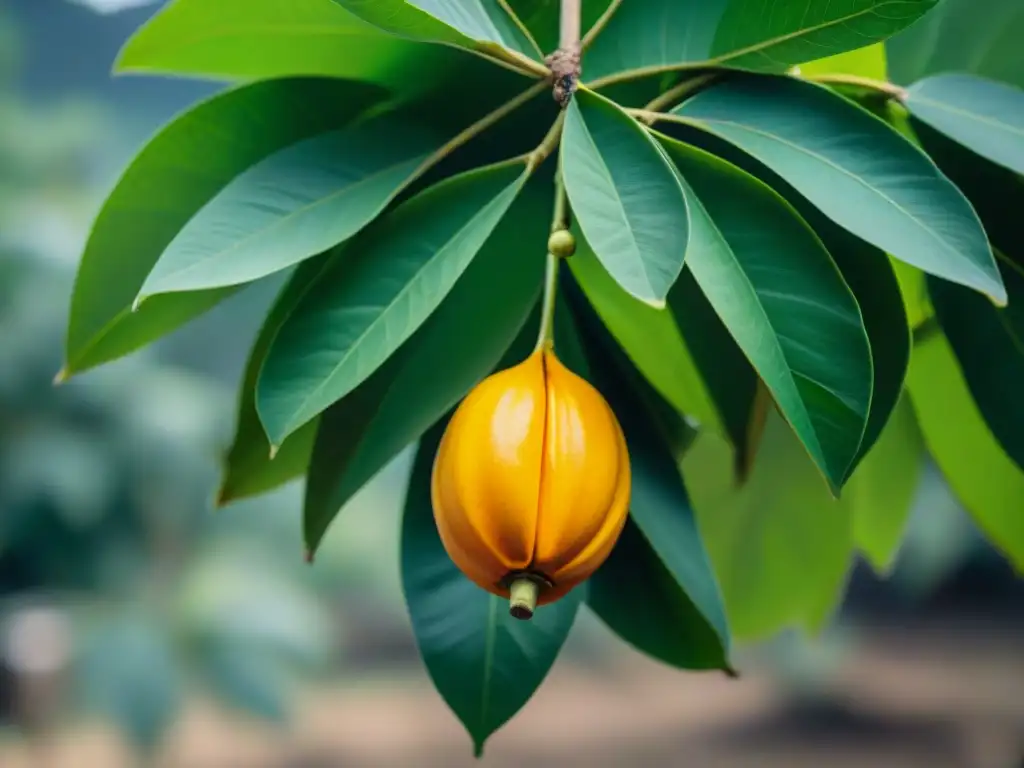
(308, 556)
(656, 303)
(731, 672)
(274, 449)
(62, 375)
(138, 302)
(478, 748)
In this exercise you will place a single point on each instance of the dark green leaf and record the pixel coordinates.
(484, 663)
(653, 36)
(828, 148)
(989, 344)
(466, 23)
(659, 592)
(625, 197)
(982, 476)
(249, 469)
(977, 36)
(774, 286)
(362, 432)
(295, 204)
(880, 493)
(780, 544)
(174, 176)
(985, 116)
(383, 285)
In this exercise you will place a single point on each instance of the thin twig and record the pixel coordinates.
(881, 86)
(600, 24)
(547, 144)
(674, 94)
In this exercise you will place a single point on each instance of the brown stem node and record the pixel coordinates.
(565, 73)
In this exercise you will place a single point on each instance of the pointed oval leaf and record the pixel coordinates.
(484, 663)
(657, 590)
(299, 202)
(172, 178)
(983, 477)
(985, 116)
(360, 434)
(625, 197)
(781, 549)
(776, 289)
(385, 284)
(248, 468)
(466, 23)
(881, 492)
(651, 36)
(828, 148)
(988, 342)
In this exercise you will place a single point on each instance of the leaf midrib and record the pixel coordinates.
(974, 116)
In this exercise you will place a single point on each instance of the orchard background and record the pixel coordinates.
(139, 624)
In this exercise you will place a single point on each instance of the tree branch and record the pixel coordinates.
(565, 62)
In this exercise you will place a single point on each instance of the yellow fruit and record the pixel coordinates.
(531, 482)
(562, 244)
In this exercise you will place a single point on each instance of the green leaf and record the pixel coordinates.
(384, 284)
(827, 148)
(987, 482)
(484, 663)
(868, 61)
(780, 544)
(360, 434)
(249, 469)
(651, 36)
(295, 204)
(657, 590)
(774, 286)
(881, 491)
(174, 176)
(981, 37)
(985, 116)
(263, 39)
(625, 197)
(989, 345)
(466, 23)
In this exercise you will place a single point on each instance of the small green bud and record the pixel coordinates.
(562, 244)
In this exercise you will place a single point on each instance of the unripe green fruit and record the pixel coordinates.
(562, 244)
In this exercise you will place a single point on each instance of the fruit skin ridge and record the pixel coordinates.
(532, 478)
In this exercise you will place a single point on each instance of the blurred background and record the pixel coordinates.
(139, 626)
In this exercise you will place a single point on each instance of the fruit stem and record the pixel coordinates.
(559, 221)
(523, 597)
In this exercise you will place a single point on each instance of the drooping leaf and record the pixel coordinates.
(385, 283)
(484, 663)
(651, 36)
(981, 37)
(464, 339)
(625, 197)
(295, 204)
(988, 342)
(657, 590)
(780, 544)
(249, 469)
(263, 39)
(987, 482)
(828, 149)
(466, 23)
(173, 177)
(880, 493)
(985, 116)
(774, 286)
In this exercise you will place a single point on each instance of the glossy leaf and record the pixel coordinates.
(360, 434)
(258, 39)
(985, 116)
(295, 204)
(174, 176)
(385, 284)
(249, 469)
(773, 285)
(780, 544)
(828, 149)
(989, 344)
(657, 590)
(987, 482)
(484, 663)
(651, 36)
(625, 197)
(466, 23)
(977, 36)
(882, 490)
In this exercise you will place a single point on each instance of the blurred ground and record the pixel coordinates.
(932, 695)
